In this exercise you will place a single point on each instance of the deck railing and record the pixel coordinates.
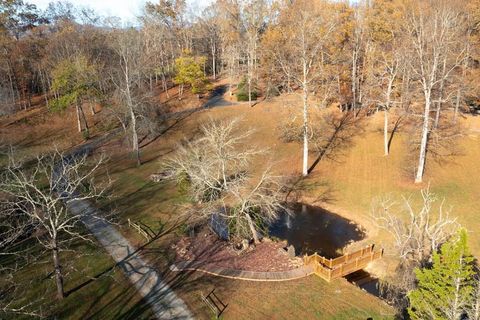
(330, 269)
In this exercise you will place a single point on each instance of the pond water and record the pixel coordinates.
(313, 229)
(365, 281)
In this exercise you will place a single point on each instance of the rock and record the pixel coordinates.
(157, 177)
(245, 244)
(291, 251)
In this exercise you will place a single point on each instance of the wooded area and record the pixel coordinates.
(419, 57)
(336, 65)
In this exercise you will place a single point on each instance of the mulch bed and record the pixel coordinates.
(206, 249)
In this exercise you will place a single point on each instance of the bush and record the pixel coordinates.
(242, 91)
(243, 96)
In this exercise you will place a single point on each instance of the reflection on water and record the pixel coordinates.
(313, 229)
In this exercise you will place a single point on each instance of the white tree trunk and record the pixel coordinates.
(79, 123)
(305, 130)
(214, 61)
(424, 139)
(385, 131)
(135, 147)
(457, 105)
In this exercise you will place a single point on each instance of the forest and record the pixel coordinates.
(201, 135)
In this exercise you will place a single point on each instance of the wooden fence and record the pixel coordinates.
(330, 269)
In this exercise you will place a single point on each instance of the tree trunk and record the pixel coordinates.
(305, 130)
(424, 139)
(84, 119)
(58, 273)
(79, 123)
(253, 229)
(135, 147)
(385, 131)
(457, 106)
(214, 61)
(249, 91)
(387, 107)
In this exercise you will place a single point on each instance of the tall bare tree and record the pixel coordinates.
(127, 77)
(300, 47)
(218, 169)
(37, 199)
(433, 31)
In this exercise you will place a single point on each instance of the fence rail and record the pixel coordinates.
(330, 269)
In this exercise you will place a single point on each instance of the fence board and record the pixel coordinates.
(329, 269)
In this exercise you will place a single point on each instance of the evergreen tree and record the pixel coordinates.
(444, 290)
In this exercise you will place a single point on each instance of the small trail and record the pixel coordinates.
(163, 301)
(161, 298)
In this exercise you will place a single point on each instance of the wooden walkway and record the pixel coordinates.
(297, 273)
(330, 269)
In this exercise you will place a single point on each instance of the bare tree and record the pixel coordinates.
(423, 230)
(128, 79)
(303, 32)
(253, 21)
(416, 235)
(433, 32)
(217, 167)
(37, 198)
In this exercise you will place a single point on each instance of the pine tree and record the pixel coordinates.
(444, 290)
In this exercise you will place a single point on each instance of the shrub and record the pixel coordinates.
(242, 91)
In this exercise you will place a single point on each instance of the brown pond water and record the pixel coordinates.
(313, 229)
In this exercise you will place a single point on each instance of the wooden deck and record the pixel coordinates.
(330, 269)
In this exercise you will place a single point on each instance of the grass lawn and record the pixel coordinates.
(307, 298)
(96, 289)
(360, 175)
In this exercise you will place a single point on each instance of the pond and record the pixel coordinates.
(313, 229)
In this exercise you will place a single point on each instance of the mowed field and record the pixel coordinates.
(352, 181)
(359, 175)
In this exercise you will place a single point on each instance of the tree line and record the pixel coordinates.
(419, 58)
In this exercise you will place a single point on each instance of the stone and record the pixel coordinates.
(245, 244)
(291, 251)
(157, 177)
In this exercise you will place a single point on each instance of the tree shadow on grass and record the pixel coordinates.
(336, 136)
